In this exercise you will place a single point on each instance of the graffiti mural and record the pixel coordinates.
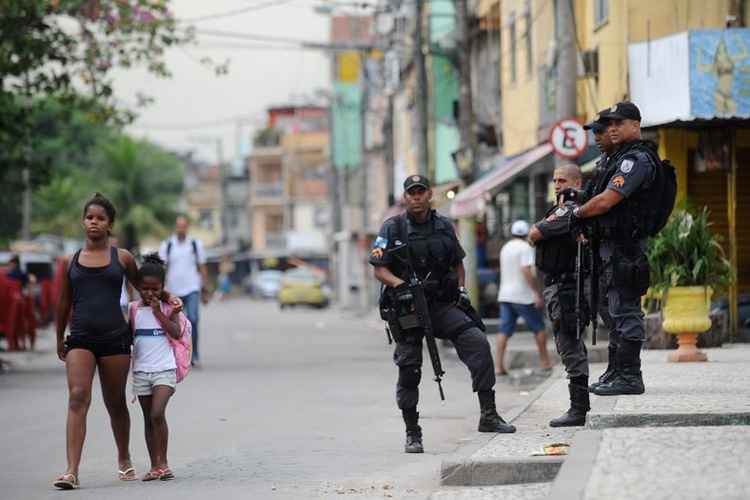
(720, 73)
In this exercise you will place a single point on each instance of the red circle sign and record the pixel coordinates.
(568, 138)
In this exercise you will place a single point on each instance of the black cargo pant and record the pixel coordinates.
(560, 301)
(621, 307)
(471, 344)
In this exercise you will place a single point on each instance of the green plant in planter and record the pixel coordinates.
(687, 253)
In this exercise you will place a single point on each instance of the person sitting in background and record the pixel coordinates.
(16, 273)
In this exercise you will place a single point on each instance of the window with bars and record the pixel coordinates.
(601, 12)
(527, 36)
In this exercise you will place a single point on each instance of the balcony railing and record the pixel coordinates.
(275, 239)
(267, 190)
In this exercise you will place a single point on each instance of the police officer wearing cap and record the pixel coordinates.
(600, 128)
(620, 206)
(436, 256)
(556, 251)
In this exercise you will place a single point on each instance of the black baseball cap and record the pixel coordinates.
(600, 123)
(625, 110)
(416, 180)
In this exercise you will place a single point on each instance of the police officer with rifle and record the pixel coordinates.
(418, 259)
(631, 202)
(561, 256)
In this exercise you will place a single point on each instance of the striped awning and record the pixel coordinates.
(472, 200)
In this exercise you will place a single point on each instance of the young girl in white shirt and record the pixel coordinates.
(154, 364)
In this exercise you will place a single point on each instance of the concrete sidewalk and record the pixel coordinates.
(681, 439)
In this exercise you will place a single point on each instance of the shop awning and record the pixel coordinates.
(471, 201)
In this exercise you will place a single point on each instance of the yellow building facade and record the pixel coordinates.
(605, 28)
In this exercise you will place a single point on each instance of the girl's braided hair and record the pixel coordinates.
(153, 265)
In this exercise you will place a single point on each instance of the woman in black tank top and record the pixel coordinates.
(99, 336)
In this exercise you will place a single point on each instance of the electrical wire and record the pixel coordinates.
(236, 12)
(230, 120)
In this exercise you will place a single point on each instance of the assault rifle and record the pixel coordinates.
(422, 311)
(579, 286)
(585, 242)
(594, 255)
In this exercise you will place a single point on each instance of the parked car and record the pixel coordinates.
(302, 286)
(264, 284)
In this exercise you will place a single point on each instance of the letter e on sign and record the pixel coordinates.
(568, 138)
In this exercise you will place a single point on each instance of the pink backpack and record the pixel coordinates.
(182, 347)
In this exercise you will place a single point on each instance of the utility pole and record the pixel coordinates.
(467, 158)
(223, 189)
(567, 65)
(421, 94)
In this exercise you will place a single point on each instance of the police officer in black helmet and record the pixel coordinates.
(556, 251)
(620, 207)
(436, 256)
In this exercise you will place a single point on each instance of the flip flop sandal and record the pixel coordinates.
(152, 475)
(166, 475)
(66, 482)
(127, 474)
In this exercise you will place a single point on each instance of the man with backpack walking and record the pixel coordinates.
(632, 201)
(186, 274)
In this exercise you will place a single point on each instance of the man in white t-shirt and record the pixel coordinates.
(519, 295)
(186, 273)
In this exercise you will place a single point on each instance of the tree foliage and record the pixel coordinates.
(142, 180)
(65, 51)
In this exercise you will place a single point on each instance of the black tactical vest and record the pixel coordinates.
(625, 221)
(433, 253)
(557, 255)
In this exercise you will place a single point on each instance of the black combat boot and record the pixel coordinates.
(413, 431)
(611, 371)
(579, 404)
(629, 379)
(490, 421)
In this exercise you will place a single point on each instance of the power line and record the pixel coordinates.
(230, 120)
(249, 46)
(235, 12)
(252, 37)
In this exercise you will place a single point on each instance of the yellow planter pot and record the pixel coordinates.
(686, 314)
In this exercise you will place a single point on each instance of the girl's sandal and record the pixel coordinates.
(166, 475)
(127, 474)
(152, 475)
(66, 482)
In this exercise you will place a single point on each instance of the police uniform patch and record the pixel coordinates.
(415, 178)
(377, 253)
(626, 166)
(619, 181)
(380, 242)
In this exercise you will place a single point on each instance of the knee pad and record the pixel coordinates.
(409, 376)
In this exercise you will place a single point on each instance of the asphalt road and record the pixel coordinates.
(289, 405)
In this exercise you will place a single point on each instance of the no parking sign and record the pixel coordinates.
(568, 138)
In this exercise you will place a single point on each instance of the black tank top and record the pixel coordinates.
(96, 299)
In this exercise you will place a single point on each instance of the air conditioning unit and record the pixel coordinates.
(589, 63)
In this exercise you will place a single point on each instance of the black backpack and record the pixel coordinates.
(657, 202)
(195, 252)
